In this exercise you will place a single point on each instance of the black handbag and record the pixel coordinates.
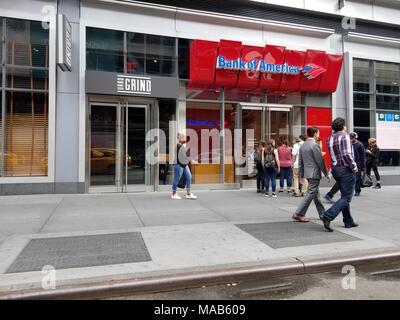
(182, 182)
(366, 181)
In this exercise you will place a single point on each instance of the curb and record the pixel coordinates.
(212, 277)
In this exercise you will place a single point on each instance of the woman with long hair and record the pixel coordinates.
(271, 167)
(180, 167)
(373, 161)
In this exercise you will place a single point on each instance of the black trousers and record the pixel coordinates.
(373, 166)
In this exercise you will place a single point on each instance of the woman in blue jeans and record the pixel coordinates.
(180, 167)
(271, 167)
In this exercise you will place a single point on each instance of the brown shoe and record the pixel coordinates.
(299, 218)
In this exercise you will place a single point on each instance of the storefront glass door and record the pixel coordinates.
(268, 122)
(118, 147)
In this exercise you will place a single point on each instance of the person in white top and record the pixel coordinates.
(298, 192)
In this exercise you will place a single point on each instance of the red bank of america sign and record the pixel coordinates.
(230, 64)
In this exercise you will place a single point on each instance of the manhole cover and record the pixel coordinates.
(81, 251)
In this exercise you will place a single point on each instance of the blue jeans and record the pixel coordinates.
(286, 173)
(346, 180)
(178, 171)
(269, 175)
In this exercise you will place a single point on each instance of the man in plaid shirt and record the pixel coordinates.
(344, 169)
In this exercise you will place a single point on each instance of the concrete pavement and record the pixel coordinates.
(188, 236)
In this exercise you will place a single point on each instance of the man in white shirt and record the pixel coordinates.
(295, 163)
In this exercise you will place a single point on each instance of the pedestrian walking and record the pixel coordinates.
(299, 187)
(359, 157)
(181, 167)
(344, 169)
(271, 167)
(285, 160)
(311, 164)
(259, 160)
(373, 161)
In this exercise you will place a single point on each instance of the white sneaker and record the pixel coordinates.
(175, 197)
(191, 196)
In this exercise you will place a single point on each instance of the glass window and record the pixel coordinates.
(26, 134)
(389, 158)
(183, 58)
(361, 75)
(299, 121)
(361, 118)
(363, 134)
(229, 126)
(203, 119)
(104, 50)
(1, 134)
(166, 115)
(27, 43)
(160, 55)
(387, 77)
(361, 101)
(136, 53)
(387, 102)
(22, 78)
(203, 94)
(24, 144)
(237, 95)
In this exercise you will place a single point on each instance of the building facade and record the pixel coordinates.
(139, 68)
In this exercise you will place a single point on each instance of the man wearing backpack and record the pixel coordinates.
(311, 164)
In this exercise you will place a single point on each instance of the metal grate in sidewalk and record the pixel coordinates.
(81, 251)
(293, 234)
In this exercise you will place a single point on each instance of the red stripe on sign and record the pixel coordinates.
(230, 50)
(275, 55)
(329, 80)
(250, 79)
(291, 82)
(203, 55)
(316, 58)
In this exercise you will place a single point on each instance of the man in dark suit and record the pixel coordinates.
(311, 164)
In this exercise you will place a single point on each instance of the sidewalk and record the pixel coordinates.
(113, 237)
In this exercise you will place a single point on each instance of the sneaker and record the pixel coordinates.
(297, 195)
(274, 195)
(377, 186)
(258, 191)
(329, 199)
(191, 196)
(289, 191)
(267, 194)
(280, 190)
(176, 197)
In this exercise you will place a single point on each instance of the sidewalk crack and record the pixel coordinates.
(50, 215)
(136, 212)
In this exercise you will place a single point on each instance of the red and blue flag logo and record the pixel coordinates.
(312, 71)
